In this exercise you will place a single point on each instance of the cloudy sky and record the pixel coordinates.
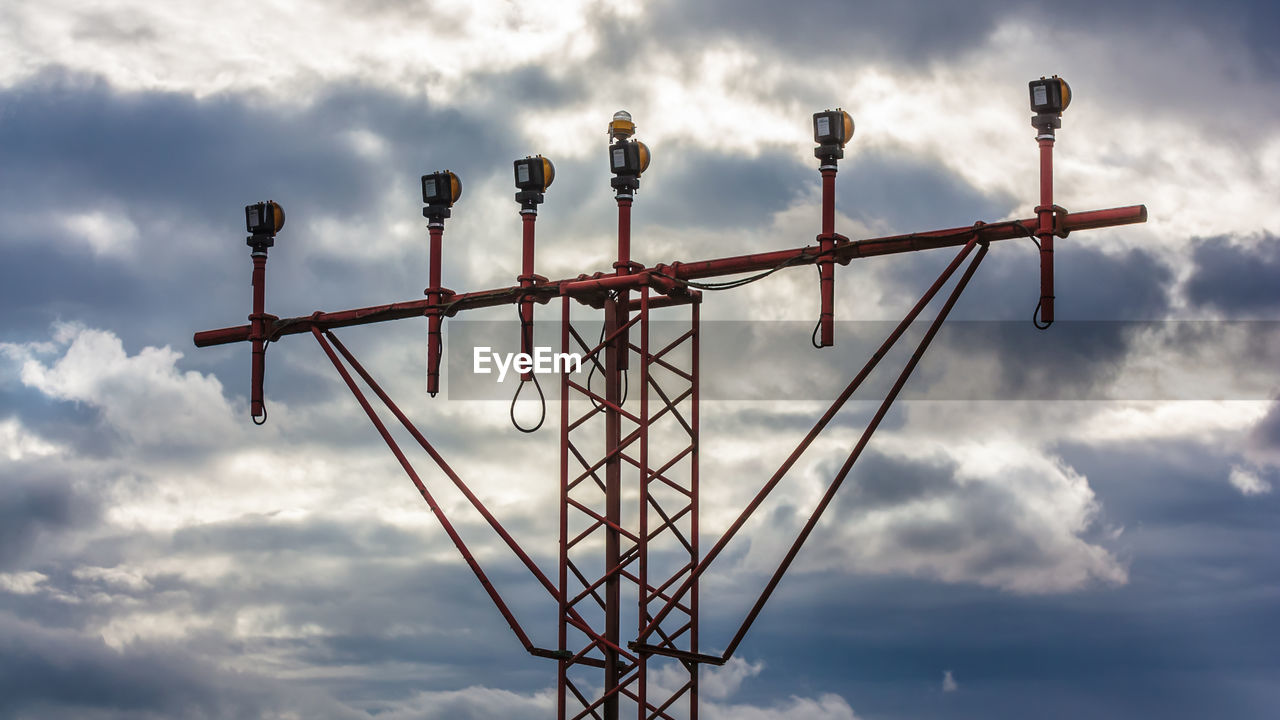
(1078, 523)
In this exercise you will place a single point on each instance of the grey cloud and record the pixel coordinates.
(1266, 434)
(36, 508)
(987, 530)
(1236, 278)
(1090, 283)
(883, 482)
(921, 32)
(179, 168)
(532, 86)
(700, 188)
(910, 193)
(61, 674)
(914, 33)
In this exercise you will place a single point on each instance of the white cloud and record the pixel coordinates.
(1034, 544)
(17, 444)
(1248, 482)
(290, 49)
(949, 682)
(722, 682)
(992, 506)
(107, 232)
(827, 706)
(480, 701)
(144, 397)
(22, 583)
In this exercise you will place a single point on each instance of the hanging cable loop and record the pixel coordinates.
(263, 419)
(1035, 314)
(526, 333)
(542, 400)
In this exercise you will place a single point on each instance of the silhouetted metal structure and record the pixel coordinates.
(643, 564)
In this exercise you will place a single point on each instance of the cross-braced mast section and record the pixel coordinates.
(629, 516)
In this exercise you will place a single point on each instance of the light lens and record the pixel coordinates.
(621, 126)
(548, 173)
(277, 213)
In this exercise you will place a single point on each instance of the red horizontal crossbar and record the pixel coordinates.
(585, 286)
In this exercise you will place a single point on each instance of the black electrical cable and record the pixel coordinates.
(731, 284)
(595, 364)
(1035, 317)
(813, 340)
(1035, 314)
(542, 399)
(255, 420)
(439, 338)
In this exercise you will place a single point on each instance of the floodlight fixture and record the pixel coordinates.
(832, 127)
(440, 190)
(264, 218)
(629, 157)
(534, 173)
(832, 130)
(1049, 95)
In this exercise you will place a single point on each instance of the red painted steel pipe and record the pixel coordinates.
(623, 269)
(844, 252)
(613, 492)
(529, 218)
(1045, 231)
(435, 340)
(562, 636)
(826, 266)
(257, 334)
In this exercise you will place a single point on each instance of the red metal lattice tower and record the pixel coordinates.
(629, 548)
(650, 551)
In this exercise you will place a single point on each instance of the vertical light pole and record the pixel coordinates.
(628, 158)
(533, 176)
(1049, 97)
(262, 220)
(832, 129)
(440, 190)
